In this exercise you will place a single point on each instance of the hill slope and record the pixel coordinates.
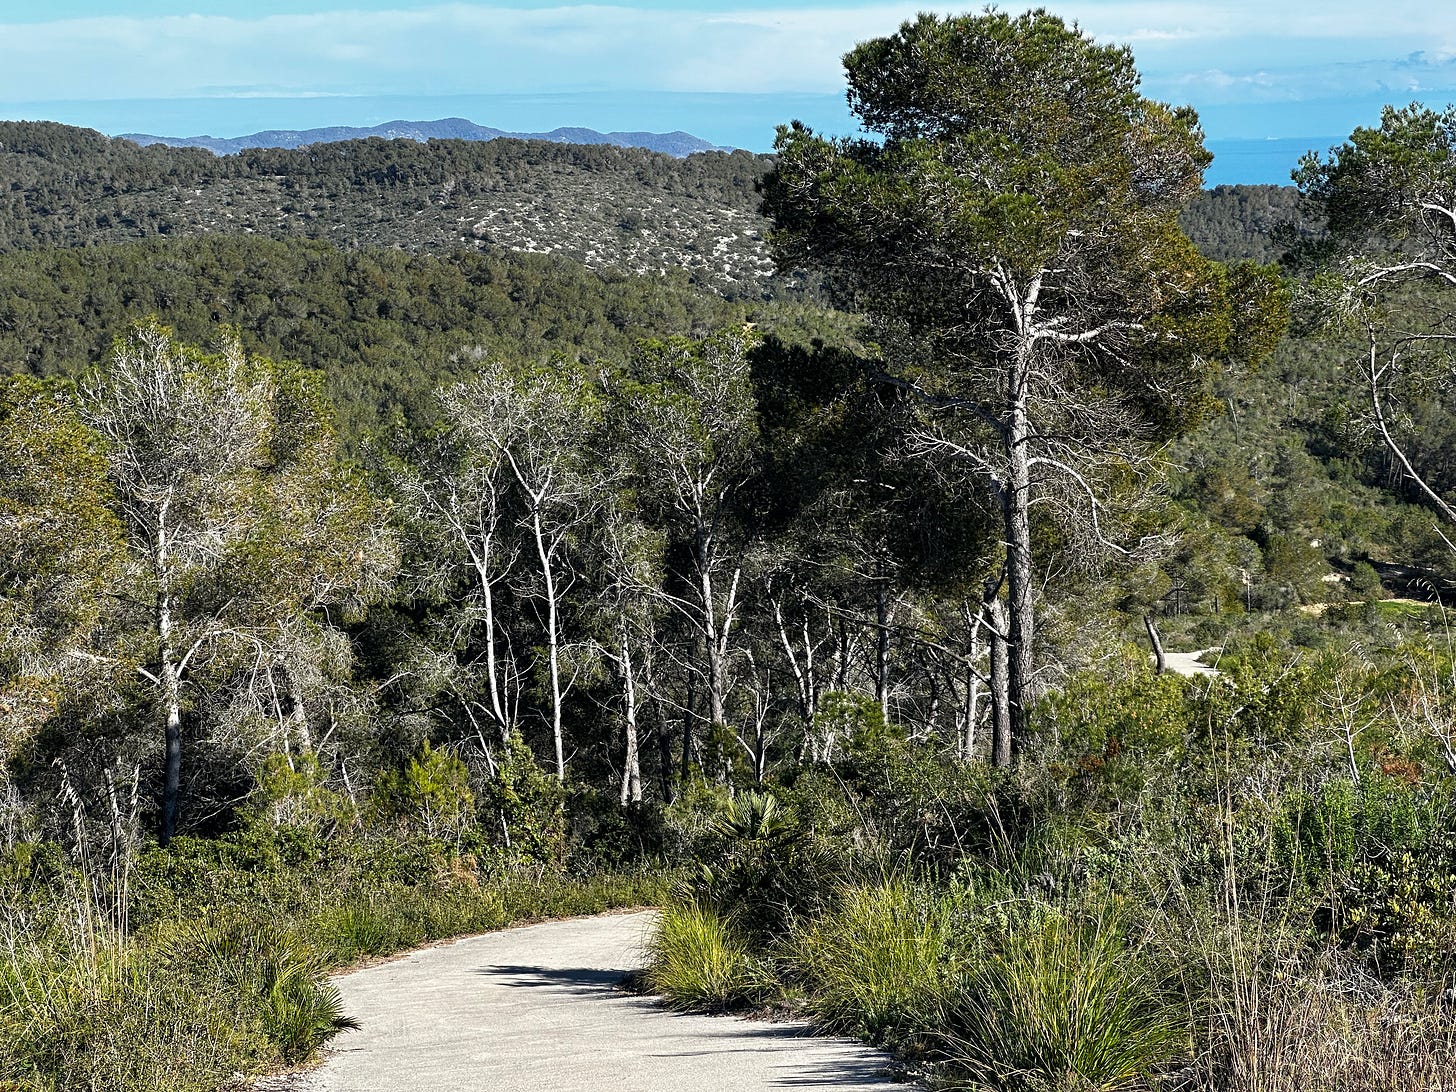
(622, 208)
(607, 207)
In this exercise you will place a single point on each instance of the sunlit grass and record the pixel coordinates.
(1061, 1006)
(879, 965)
(695, 961)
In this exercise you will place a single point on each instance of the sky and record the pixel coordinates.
(1270, 78)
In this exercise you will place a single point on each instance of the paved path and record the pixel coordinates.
(535, 1010)
(1186, 663)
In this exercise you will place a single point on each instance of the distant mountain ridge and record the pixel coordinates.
(676, 143)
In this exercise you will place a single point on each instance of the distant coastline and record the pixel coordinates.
(1236, 161)
(674, 143)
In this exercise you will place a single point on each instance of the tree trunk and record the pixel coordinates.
(553, 639)
(298, 719)
(1020, 579)
(492, 669)
(631, 766)
(716, 629)
(1160, 658)
(685, 770)
(882, 648)
(803, 672)
(664, 750)
(1001, 722)
(171, 679)
(169, 676)
(972, 710)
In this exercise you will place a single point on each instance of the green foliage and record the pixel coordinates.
(1365, 581)
(923, 807)
(292, 791)
(1369, 186)
(603, 834)
(525, 802)
(431, 795)
(853, 722)
(61, 549)
(696, 961)
(880, 964)
(1249, 223)
(1379, 860)
(1117, 731)
(763, 866)
(271, 970)
(383, 327)
(1062, 1006)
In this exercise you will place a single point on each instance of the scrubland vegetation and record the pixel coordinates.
(1236, 882)
(458, 587)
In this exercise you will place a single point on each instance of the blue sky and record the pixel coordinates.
(727, 70)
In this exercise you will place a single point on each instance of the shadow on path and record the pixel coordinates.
(581, 981)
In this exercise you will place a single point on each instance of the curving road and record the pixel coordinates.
(536, 1009)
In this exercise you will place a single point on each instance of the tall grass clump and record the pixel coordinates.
(117, 1016)
(1061, 1005)
(879, 965)
(273, 977)
(1328, 1026)
(696, 961)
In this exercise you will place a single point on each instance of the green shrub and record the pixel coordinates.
(1061, 1006)
(364, 927)
(301, 1009)
(879, 965)
(291, 792)
(183, 1008)
(275, 979)
(430, 795)
(853, 722)
(695, 961)
(604, 834)
(762, 866)
(523, 808)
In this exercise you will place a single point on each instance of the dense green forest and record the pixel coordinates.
(368, 578)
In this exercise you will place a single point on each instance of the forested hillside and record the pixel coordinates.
(384, 326)
(619, 208)
(623, 208)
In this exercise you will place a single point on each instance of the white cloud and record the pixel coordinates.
(457, 48)
(1400, 79)
(1186, 48)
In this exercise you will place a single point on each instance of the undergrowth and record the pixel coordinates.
(1245, 884)
(223, 970)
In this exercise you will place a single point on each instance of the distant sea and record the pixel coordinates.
(1260, 161)
(734, 120)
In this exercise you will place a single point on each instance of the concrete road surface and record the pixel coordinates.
(1187, 663)
(535, 1009)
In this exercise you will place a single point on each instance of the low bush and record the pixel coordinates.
(880, 965)
(760, 863)
(1061, 1005)
(696, 961)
